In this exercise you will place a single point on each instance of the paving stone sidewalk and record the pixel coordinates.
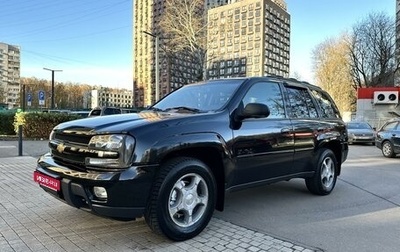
(32, 220)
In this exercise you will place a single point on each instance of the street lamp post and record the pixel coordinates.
(157, 69)
(52, 84)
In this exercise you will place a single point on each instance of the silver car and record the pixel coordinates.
(360, 132)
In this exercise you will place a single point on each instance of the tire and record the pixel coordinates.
(324, 179)
(182, 200)
(387, 149)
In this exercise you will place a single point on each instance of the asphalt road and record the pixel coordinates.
(361, 214)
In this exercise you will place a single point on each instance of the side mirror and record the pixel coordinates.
(253, 110)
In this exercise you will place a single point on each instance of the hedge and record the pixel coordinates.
(38, 124)
(6, 122)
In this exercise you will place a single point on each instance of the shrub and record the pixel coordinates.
(6, 122)
(39, 125)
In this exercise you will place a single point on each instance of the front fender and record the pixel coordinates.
(166, 146)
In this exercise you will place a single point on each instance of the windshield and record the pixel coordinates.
(202, 97)
(359, 126)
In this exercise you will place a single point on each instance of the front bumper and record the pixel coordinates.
(127, 190)
(361, 139)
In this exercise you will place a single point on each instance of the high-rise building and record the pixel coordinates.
(9, 75)
(148, 42)
(248, 38)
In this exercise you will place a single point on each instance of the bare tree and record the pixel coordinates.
(67, 95)
(183, 26)
(333, 72)
(372, 51)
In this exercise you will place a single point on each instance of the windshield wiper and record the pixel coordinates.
(195, 110)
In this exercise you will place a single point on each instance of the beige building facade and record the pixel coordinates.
(248, 38)
(10, 61)
(119, 98)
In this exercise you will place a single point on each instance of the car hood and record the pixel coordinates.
(121, 123)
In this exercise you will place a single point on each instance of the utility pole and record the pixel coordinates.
(157, 70)
(52, 84)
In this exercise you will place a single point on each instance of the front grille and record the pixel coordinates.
(71, 150)
(78, 139)
(364, 135)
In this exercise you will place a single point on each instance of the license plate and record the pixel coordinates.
(47, 181)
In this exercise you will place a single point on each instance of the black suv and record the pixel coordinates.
(174, 162)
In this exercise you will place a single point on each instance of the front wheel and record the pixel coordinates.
(182, 200)
(387, 149)
(324, 179)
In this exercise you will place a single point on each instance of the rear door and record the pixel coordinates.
(306, 127)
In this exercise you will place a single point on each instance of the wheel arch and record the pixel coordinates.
(336, 148)
(209, 148)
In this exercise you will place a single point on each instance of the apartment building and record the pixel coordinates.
(248, 38)
(9, 75)
(155, 72)
(120, 98)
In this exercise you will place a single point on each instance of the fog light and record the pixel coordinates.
(100, 192)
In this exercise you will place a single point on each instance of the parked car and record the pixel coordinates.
(174, 162)
(360, 132)
(82, 113)
(102, 111)
(388, 138)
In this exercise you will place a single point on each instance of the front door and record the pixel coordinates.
(263, 147)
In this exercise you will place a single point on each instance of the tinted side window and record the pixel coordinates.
(95, 112)
(269, 94)
(301, 104)
(111, 111)
(328, 108)
(390, 126)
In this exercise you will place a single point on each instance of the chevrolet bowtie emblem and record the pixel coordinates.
(61, 148)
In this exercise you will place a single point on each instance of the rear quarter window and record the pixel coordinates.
(326, 104)
(301, 104)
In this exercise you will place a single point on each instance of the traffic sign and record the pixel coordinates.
(41, 97)
(29, 98)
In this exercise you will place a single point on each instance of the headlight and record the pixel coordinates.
(114, 151)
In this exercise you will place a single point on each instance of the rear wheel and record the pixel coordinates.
(182, 200)
(324, 179)
(387, 149)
